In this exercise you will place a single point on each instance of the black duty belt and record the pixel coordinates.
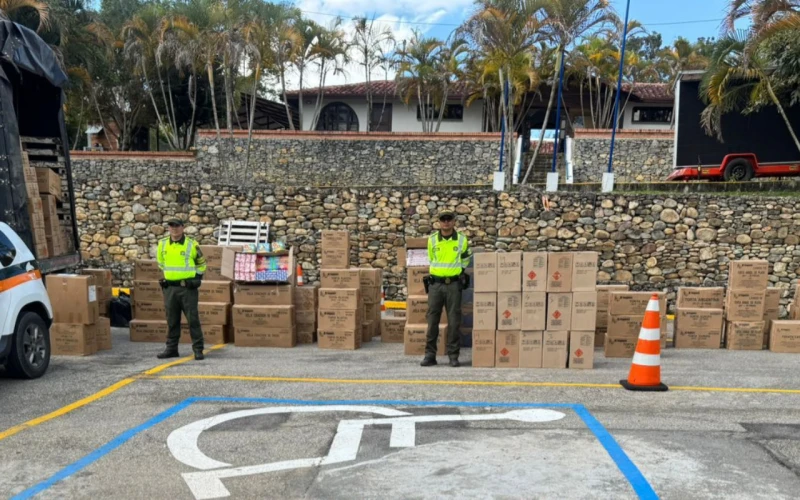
(181, 283)
(446, 281)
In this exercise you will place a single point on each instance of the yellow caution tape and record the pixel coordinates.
(390, 304)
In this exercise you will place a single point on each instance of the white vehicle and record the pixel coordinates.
(25, 310)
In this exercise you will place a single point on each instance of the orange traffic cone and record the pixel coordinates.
(300, 275)
(645, 372)
(383, 300)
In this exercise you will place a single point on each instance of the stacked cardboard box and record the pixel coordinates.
(341, 315)
(104, 282)
(35, 209)
(371, 294)
(77, 325)
(700, 317)
(603, 294)
(415, 334)
(625, 315)
(54, 235)
(149, 313)
(746, 304)
(772, 311)
(535, 303)
(794, 307)
(305, 313)
(467, 305)
(785, 336)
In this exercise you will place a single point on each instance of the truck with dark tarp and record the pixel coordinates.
(33, 140)
(756, 144)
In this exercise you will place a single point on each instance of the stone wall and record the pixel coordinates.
(134, 166)
(638, 155)
(649, 241)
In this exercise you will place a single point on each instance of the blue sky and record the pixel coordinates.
(671, 18)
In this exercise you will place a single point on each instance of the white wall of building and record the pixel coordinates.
(404, 118)
(628, 124)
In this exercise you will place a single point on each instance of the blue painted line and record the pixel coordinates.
(99, 453)
(624, 463)
(637, 481)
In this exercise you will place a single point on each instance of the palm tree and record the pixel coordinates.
(309, 32)
(564, 22)
(17, 10)
(368, 41)
(739, 78)
(761, 12)
(418, 76)
(451, 69)
(331, 54)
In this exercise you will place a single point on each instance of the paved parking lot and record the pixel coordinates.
(309, 423)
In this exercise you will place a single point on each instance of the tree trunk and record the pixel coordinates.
(553, 90)
(78, 132)
(256, 76)
(300, 98)
(153, 100)
(210, 68)
(285, 102)
(782, 113)
(444, 105)
(318, 104)
(193, 101)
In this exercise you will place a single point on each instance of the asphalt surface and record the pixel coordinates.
(690, 442)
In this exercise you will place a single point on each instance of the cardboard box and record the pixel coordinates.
(150, 310)
(148, 331)
(305, 317)
(336, 240)
(372, 312)
(339, 319)
(212, 313)
(507, 349)
(71, 339)
(254, 336)
(559, 311)
(49, 182)
(263, 295)
(485, 272)
(392, 330)
(600, 337)
(559, 272)
(367, 331)
(484, 311)
(509, 271)
(581, 350)
(213, 255)
(699, 328)
(371, 277)
(772, 311)
(530, 349)
(745, 335)
(415, 276)
(619, 347)
(340, 278)
(554, 349)
(335, 259)
(346, 340)
(634, 303)
(416, 336)
(335, 251)
(745, 305)
(534, 272)
(147, 291)
(417, 309)
(371, 294)
(102, 277)
(584, 311)
(31, 182)
(509, 311)
(584, 271)
(534, 311)
(700, 298)
(483, 351)
(625, 326)
(215, 291)
(147, 270)
(306, 334)
(231, 255)
(263, 316)
(305, 298)
(341, 298)
(50, 212)
(102, 334)
(750, 275)
(73, 298)
(785, 336)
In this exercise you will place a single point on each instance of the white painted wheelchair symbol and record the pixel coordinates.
(207, 484)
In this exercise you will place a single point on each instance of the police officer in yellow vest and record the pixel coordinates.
(449, 254)
(182, 262)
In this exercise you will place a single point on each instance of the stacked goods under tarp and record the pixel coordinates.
(263, 294)
(77, 328)
(214, 303)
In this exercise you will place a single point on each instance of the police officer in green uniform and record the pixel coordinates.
(449, 254)
(182, 262)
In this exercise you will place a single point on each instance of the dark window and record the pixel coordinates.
(7, 251)
(452, 112)
(381, 117)
(339, 117)
(652, 115)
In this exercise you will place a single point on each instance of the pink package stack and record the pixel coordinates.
(245, 267)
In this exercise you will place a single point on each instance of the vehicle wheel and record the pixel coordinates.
(30, 352)
(739, 171)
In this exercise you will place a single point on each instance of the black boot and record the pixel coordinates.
(428, 361)
(169, 353)
(454, 362)
(198, 355)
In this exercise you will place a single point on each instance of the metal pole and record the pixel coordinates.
(615, 123)
(558, 109)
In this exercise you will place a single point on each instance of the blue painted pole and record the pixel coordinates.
(615, 123)
(558, 108)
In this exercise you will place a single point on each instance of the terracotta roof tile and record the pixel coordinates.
(378, 87)
(661, 92)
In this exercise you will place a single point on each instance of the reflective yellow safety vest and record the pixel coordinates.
(448, 256)
(180, 260)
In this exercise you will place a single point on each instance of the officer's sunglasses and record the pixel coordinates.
(447, 218)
